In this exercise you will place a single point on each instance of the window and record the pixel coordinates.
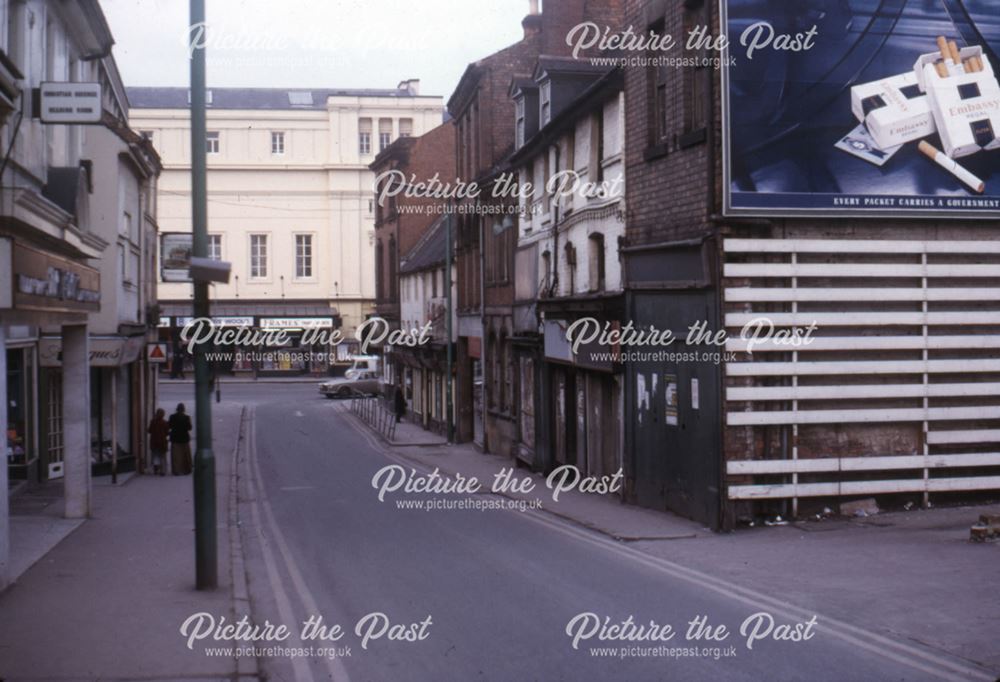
(595, 266)
(384, 133)
(657, 87)
(365, 136)
(546, 103)
(212, 142)
(519, 124)
(303, 256)
(405, 127)
(696, 77)
(546, 274)
(277, 143)
(597, 146)
(258, 256)
(571, 268)
(215, 246)
(126, 226)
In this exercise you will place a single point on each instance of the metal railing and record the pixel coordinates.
(372, 411)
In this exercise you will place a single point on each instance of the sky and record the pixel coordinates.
(313, 43)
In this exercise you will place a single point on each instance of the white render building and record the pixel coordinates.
(290, 203)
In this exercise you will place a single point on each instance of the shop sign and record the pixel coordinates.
(295, 323)
(106, 351)
(75, 103)
(48, 283)
(220, 321)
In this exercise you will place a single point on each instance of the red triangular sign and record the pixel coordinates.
(156, 353)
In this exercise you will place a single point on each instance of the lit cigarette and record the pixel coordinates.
(943, 47)
(952, 167)
(942, 70)
(955, 56)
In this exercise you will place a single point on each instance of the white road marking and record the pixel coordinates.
(338, 672)
(857, 636)
(299, 665)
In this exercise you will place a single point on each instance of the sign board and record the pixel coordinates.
(45, 282)
(793, 144)
(220, 321)
(105, 351)
(75, 103)
(156, 353)
(296, 323)
(175, 256)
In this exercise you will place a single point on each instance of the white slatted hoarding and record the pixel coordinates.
(906, 340)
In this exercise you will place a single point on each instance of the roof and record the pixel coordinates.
(430, 251)
(255, 98)
(547, 64)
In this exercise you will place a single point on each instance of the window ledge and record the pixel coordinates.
(692, 138)
(655, 151)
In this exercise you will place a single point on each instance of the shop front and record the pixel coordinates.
(254, 347)
(116, 419)
(582, 410)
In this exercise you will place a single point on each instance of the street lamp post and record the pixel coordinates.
(206, 570)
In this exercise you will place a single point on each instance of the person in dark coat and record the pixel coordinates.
(180, 442)
(399, 404)
(158, 431)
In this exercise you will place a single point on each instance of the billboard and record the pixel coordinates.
(856, 108)
(175, 256)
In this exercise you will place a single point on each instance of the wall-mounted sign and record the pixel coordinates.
(826, 103)
(220, 321)
(156, 353)
(44, 282)
(105, 351)
(175, 256)
(296, 323)
(76, 103)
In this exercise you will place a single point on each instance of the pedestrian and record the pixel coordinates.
(180, 442)
(399, 403)
(158, 431)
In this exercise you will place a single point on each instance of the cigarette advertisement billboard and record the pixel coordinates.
(862, 108)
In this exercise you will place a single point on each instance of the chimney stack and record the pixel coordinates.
(532, 23)
(412, 86)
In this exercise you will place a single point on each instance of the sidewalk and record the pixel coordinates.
(83, 610)
(603, 513)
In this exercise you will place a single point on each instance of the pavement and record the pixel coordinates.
(900, 596)
(108, 600)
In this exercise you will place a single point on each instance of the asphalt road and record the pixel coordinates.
(499, 587)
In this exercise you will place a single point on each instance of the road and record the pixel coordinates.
(486, 594)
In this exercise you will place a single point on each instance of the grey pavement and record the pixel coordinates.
(107, 602)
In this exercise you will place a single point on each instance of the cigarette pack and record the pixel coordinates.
(965, 105)
(895, 110)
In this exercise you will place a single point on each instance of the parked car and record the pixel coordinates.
(362, 384)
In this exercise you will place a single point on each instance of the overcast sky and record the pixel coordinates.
(314, 43)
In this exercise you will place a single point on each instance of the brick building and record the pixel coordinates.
(487, 384)
(890, 400)
(398, 231)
